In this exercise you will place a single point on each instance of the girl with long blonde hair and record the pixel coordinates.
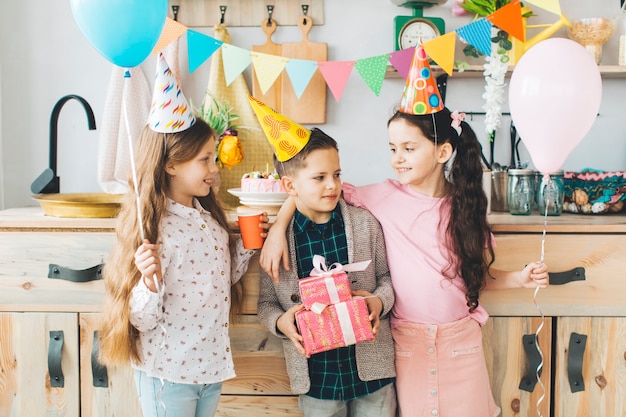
(168, 297)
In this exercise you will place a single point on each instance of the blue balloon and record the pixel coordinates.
(123, 31)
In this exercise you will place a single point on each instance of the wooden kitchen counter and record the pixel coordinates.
(30, 242)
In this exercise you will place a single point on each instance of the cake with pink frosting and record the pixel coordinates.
(261, 182)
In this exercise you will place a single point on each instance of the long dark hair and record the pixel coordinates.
(468, 232)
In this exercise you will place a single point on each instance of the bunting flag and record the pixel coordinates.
(267, 68)
(300, 72)
(199, 48)
(509, 19)
(477, 34)
(401, 61)
(336, 75)
(441, 50)
(550, 5)
(373, 71)
(236, 60)
(171, 31)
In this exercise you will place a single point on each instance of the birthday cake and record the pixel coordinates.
(261, 182)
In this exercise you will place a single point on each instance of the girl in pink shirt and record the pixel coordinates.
(440, 252)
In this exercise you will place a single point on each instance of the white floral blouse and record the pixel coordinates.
(184, 328)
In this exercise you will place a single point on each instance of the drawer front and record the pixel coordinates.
(603, 257)
(24, 261)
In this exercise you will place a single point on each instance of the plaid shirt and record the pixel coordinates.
(333, 373)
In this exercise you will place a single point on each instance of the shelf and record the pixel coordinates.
(476, 71)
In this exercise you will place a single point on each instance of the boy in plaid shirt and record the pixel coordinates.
(356, 380)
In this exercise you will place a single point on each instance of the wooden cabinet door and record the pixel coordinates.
(603, 388)
(119, 396)
(25, 388)
(507, 364)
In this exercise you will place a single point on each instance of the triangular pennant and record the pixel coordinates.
(477, 34)
(336, 75)
(441, 50)
(373, 71)
(300, 72)
(267, 68)
(509, 19)
(171, 31)
(236, 60)
(199, 48)
(549, 5)
(401, 60)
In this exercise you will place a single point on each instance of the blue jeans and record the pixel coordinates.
(381, 403)
(179, 400)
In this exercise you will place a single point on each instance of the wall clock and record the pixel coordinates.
(409, 29)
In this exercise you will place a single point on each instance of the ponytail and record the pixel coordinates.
(468, 230)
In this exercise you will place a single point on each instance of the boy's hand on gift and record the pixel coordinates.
(286, 325)
(374, 306)
(534, 275)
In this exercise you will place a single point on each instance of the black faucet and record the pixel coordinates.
(48, 182)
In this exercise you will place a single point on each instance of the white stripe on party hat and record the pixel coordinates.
(170, 112)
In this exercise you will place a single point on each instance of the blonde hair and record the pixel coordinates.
(118, 337)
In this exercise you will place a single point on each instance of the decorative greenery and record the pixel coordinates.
(219, 115)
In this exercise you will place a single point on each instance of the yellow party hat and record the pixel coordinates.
(286, 136)
(420, 95)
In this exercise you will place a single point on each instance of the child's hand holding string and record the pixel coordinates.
(148, 263)
(535, 274)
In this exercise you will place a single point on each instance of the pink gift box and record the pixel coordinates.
(338, 325)
(330, 289)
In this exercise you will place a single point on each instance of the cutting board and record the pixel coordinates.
(273, 94)
(311, 107)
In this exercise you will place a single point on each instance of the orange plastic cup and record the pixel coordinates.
(250, 230)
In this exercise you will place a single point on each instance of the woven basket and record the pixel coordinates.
(594, 192)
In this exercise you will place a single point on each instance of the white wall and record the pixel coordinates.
(44, 56)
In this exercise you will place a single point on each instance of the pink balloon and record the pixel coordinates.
(554, 98)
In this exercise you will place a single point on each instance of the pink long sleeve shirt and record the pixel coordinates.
(414, 232)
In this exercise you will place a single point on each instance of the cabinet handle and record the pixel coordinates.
(533, 359)
(75, 275)
(560, 278)
(55, 354)
(575, 355)
(98, 371)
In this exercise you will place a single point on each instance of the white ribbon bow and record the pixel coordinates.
(320, 269)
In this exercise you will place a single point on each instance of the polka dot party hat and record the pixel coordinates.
(420, 95)
(286, 136)
(170, 112)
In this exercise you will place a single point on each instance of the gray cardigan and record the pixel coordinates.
(375, 359)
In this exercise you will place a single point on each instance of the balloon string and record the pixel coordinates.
(140, 221)
(547, 199)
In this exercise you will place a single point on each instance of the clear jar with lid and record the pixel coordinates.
(521, 191)
(550, 193)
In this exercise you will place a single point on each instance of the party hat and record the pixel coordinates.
(420, 95)
(286, 136)
(170, 112)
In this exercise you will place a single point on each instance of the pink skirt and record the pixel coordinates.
(441, 370)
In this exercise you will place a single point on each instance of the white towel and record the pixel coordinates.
(113, 149)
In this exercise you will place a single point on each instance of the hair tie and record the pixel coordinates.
(457, 118)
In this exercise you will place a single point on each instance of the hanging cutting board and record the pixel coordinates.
(311, 107)
(272, 95)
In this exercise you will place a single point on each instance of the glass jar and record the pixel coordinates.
(550, 193)
(521, 191)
